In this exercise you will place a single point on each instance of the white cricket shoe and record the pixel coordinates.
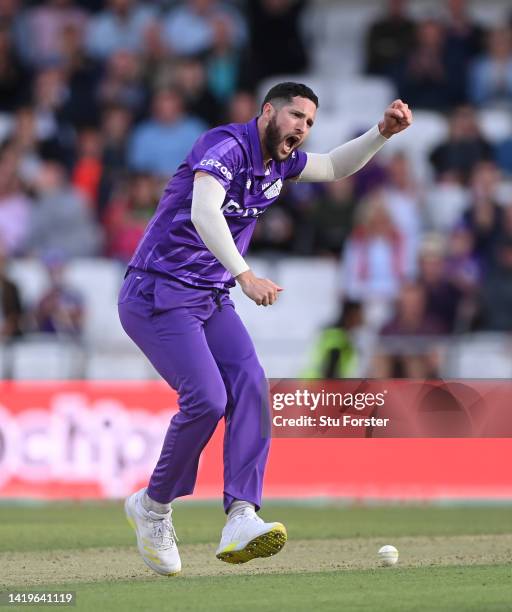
(246, 537)
(156, 538)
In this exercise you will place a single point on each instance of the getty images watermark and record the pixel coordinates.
(37, 598)
(399, 408)
(325, 401)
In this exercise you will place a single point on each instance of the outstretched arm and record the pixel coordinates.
(353, 155)
(206, 215)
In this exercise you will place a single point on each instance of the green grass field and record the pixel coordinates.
(451, 558)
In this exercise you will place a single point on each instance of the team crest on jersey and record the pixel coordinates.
(248, 184)
(273, 190)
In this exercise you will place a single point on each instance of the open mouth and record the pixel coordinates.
(290, 142)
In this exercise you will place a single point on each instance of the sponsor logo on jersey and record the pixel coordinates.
(233, 207)
(216, 164)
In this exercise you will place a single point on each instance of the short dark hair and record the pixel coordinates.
(288, 90)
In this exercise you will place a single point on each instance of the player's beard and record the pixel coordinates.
(272, 140)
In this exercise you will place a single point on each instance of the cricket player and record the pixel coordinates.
(175, 305)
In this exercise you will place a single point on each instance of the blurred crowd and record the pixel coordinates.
(101, 100)
(425, 260)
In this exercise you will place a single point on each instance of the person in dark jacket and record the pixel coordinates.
(11, 311)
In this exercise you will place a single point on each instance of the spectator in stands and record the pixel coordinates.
(14, 77)
(29, 139)
(242, 107)
(13, 18)
(443, 296)
(62, 220)
(82, 75)
(223, 61)
(335, 353)
(120, 26)
(154, 53)
(15, 206)
(445, 202)
(50, 94)
(116, 124)
(407, 343)
(464, 272)
(496, 295)
(464, 38)
(428, 77)
(188, 27)
(490, 79)
(88, 168)
(462, 266)
(374, 261)
(275, 231)
(484, 217)
(11, 311)
(123, 84)
(276, 44)
(506, 206)
(331, 218)
(503, 155)
(402, 201)
(464, 147)
(191, 79)
(161, 143)
(25, 141)
(389, 39)
(61, 308)
(127, 216)
(43, 27)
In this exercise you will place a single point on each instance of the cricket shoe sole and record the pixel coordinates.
(266, 544)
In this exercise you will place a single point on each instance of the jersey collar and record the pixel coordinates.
(255, 146)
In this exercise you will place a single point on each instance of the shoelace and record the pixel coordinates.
(163, 530)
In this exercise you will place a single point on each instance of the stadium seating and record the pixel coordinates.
(367, 95)
(104, 365)
(99, 281)
(284, 335)
(41, 357)
(482, 355)
(337, 36)
(31, 278)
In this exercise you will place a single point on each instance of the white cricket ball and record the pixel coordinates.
(388, 555)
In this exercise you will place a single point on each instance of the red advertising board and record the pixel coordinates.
(101, 440)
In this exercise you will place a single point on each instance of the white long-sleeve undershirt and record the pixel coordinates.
(211, 225)
(343, 160)
(208, 194)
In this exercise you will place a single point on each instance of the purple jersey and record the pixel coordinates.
(232, 154)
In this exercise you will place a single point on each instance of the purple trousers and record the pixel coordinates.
(198, 344)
